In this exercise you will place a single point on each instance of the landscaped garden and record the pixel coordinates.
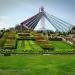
(16, 61)
(31, 42)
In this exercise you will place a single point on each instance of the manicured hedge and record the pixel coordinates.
(3, 39)
(55, 39)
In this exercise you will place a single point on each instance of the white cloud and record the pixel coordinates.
(4, 22)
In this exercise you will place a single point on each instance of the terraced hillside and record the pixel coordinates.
(35, 42)
(31, 42)
(34, 64)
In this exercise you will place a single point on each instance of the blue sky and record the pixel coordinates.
(13, 12)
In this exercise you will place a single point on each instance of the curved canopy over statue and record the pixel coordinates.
(58, 24)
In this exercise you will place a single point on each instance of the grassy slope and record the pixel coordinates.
(37, 65)
(61, 45)
(19, 46)
(28, 45)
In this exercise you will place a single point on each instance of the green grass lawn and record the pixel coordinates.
(61, 45)
(37, 65)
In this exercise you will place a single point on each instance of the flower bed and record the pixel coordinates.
(47, 46)
(25, 36)
(10, 41)
(42, 42)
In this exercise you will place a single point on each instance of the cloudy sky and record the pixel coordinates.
(13, 12)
